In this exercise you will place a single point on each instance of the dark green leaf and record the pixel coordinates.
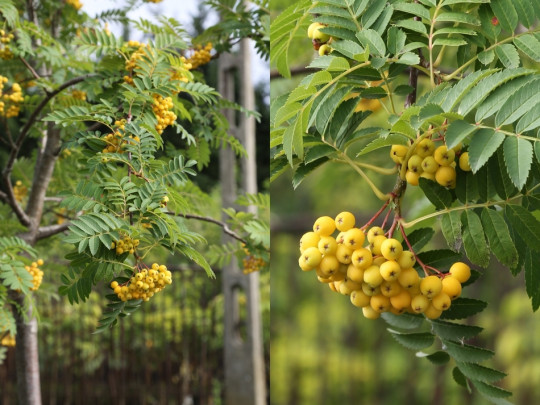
(525, 224)
(420, 237)
(505, 13)
(483, 145)
(413, 341)
(438, 358)
(465, 352)
(454, 331)
(439, 258)
(490, 391)
(463, 308)
(532, 278)
(457, 132)
(460, 378)
(304, 169)
(439, 196)
(499, 238)
(480, 373)
(518, 155)
(473, 239)
(451, 229)
(403, 321)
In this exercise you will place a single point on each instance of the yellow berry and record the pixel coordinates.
(460, 271)
(451, 286)
(464, 162)
(324, 226)
(344, 221)
(390, 270)
(430, 286)
(391, 249)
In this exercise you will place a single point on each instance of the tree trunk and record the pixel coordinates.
(26, 355)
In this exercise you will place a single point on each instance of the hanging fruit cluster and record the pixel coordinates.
(8, 341)
(5, 50)
(12, 99)
(76, 4)
(162, 108)
(319, 39)
(432, 162)
(19, 191)
(201, 56)
(36, 272)
(126, 244)
(380, 277)
(143, 284)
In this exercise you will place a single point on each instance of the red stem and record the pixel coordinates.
(386, 219)
(424, 267)
(376, 215)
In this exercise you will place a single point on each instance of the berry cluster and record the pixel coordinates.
(162, 109)
(78, 95)
(143, 284)
(5, 50)
(431, 162)
(36, 273)
(319, 39)
(8, 341)
(379, 277)
(126, 244)
(200, 56)
(154, 1)
(131, 63)
(76, 4)
(14, 98)
(19, 191)
(252, 263)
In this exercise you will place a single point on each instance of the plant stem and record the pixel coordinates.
(376, 215)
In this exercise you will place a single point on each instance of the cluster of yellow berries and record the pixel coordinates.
(179, 74)
(126, 244)
(144, 284)
(154, 1)
(76, 4)
(15, 98)
(379, 277)
(319, 39)
(431, 162)
(8, 341)
(201, 56)
(19, 191)
(79, 95)
(251, 263)
(116, 141)
(36, 273)
(162, 109)
(5, 50)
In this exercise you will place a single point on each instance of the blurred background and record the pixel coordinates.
(323, 349)
(170, 351)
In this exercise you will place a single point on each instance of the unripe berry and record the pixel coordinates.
(406, 259)
(321, 37)
(391, 249)
(312, 28)
(309, 239)
(446, 176)
(398, 152)
(408, 278)
(354, 238)
(419, 303)
(324, 226)
(344, 221)
(325, 50)
(432, 313)
(425, 147)
(369, 290)
(451, 286)
(380, 303)
(430, 286)
(327, 245)
(464, 162)
(373, 232)
(390, 288)
(362, 258)
(414, 164)
(344, 254)
(375, 246)
(370, 313)
(429, 164)
(460, 271)
(443, 156)
(441, 302)
(390, 270)
(372, 276)
(355, 274)
(359, 299)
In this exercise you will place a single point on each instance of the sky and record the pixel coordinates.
(181, 10)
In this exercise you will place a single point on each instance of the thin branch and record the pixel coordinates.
(225, 227)
(50, 230)
(30, 68)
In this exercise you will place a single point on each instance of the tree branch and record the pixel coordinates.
(50, 230)
(30, 68)
(225, 227)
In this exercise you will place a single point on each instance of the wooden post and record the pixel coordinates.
(244, 362)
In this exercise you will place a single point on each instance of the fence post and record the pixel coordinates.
(244, 361)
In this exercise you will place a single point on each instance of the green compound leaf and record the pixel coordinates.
(480, 373)
(451, 229)
(473, 239)
(457, 132)
(413, 341)
(403, 321)
(525, 224)
(505, 13)
(439, 196)
(420, 237)
(454, 331)
(465, 352)
(518, 156)
(484, 144)
(499, 238)
(462, 308)
(437, 358)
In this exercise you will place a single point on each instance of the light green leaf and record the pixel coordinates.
(370, 38)
(304, 169)
(409, 58)
(505, 13)
(396, 40)
(458, 18)
(518, 155)
(412, 25)
(457, 132)
(451, 229)
(391, 139)
(412, 8)
(458, 92)
(529, 45)
(483, 144)
(486, 57)
(525, 11)
(449, 42)
(529, 121)
(519, 103)
(403, 127)
(508, 55)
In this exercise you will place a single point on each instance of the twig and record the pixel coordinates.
(50, 230)
(225, 227)
(30, 68)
